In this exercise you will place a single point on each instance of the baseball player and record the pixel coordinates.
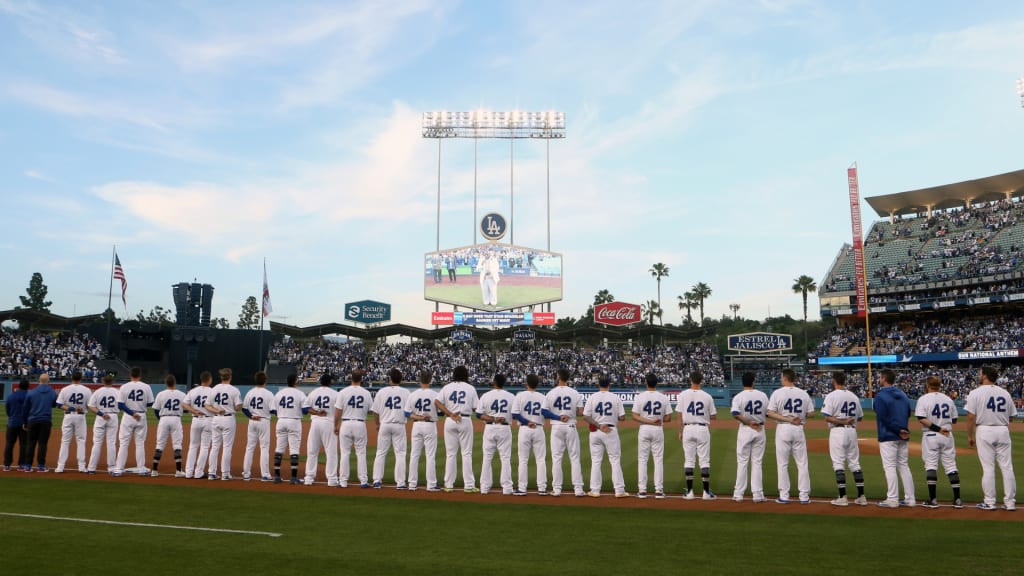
(289, 402)
(422, 410)
(225, 401)
(389, 414)
(353, 404)
(892, 412)
(989, 411)
(199, 433)
(842, 411)
(652, 410)
(495, 410)
(104, 404)
(489, 269)
(937, 414)
(320, 406)
(748, 408)
(791, 407)
(74, 401)
(458, 400)
(562, 406)
(526, 410)
(603, 411)
(258, 406)
(169, 406)
(136, 397)
(696, 411)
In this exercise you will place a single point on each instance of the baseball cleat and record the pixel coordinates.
(364, 485)
(58, 471)
(116, 474)
(861, 501)
(471, 490)
(759, 499)
(483, 492)
(958, 503)
(227, 477)
(342, 484)
(593, 494)
(518, 493)
(737, 498)
(412, 488)
(542, 493)
(688, 495)
(930, 504)
(294, 481)
(782, 500)
(43, 469)
(889, 504)
(246, 477)
(449, 490)
(376, 485)
(659, 495)
(556, 493)
(90, 472)
(402, 487)
(211, 476)
(179, 474)
(433, 489)
(841, 501)
(278, 480)
(332, 484)
(580, 494)
(641, 495)
(1010, 507)
(984, 506)
(807, 501)
(908, 503)
(81, 470)
(709, 495)
(308, 482)
(266, 479)
(622, 494)
(154, 474)
(7, 468)
(24, 468)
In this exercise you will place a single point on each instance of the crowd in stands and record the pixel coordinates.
(957, 381)
(927, 337)
(29, 354)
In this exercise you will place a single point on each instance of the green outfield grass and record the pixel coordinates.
(468, 294)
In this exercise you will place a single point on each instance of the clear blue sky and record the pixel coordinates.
(711, 136)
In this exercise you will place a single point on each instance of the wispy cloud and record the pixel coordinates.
(37, 175)
(80, 106)
(62, 29)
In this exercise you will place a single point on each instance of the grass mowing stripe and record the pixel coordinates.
(139, 524)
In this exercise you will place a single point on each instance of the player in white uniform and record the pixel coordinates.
(258, 405)
(603, 411)
(791, 407)
(989, 411)
(495, 410)
(526, 410)
(289, 427)
(389, 413)
(353, 404)
(562, 406)
(842, 410)
(320, 405)
(169, 405)
(937, 413)
(225, 402)
(652, 410)
(458, 400)
(422, 410)
(696, 410)
(136, 397)
(104, 404)
(748, 408)
(74, 401)
(199, 433)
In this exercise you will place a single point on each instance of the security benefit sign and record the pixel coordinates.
(760, 342)
(367, 312)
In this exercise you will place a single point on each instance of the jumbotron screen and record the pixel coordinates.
(492, 276)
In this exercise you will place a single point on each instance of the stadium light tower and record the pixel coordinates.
(1020, 90)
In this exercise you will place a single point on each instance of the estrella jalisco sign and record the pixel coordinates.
(760, 342)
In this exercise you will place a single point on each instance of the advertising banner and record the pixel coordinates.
(367, 312)
(858, 241)
(617, 314)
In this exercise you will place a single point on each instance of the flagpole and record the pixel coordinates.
(110, 295)
(263, 304)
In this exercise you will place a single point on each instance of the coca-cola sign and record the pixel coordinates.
(617, 313)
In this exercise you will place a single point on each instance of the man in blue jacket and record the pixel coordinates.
(892, 409)
(38, 415)
(15, 427)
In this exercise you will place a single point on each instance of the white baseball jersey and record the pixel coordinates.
(105, 400)
(604, 408)
(75, 397)
(389, 405)
(752, 403)
(790, 401)
(563, 401)
(496, 404)
(528, 404)
(197, 398)
(695, 406)
(842, 404)
(289, 403)
(937, 408)
(226, 397)
(259, 402)
(421, 403)
(991, 406)
(459, 398)
(323, 398)
(652, 405)
(353, 403)
(170, 403)
(136, 396)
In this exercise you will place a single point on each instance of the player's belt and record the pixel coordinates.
(497, 423)
(287, 418)
(847, 426)
(608, 425)
(352, 420)
(930, 434)
(227, 414)
(425, 421)
(170, 416)
(470, 415)
(696, 424)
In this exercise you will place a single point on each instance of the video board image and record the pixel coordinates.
(492, 276)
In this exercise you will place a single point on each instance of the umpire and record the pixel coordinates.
(15, 427)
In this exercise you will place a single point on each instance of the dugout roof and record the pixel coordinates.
(949, 195)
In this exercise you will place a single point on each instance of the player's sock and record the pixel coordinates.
(177, 460)
(277, 464)
(156, 458)
(932, 476)
(295, 465)
(689, 479)
(954, 482)
(841, 482)
(858, 479)
(705, 479)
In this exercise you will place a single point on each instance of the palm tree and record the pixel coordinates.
(603, 297)
(802, 286)
(650, 309)
(735, 308)
(687, 302)
(659, 271)
(701, 292)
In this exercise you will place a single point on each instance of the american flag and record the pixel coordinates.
(119, 275)
(267, 307)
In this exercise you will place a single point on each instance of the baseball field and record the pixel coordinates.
(513, 291)
(166, 525)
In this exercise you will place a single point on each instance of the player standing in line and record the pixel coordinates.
(892, 410)
(526, 410)
(389, 413)
(74, 401)
(169, 406)
(225, 401)
(353, 404)
(16, 426)
(199, 433)
(652, 410)
(696, 410)
(104, 404)
(289, 427)
(989, 411)
(495, 410)
(320, 406)
(458, 401)
(258, 406)
(937, 413)
(842, 411)
(603, 411)
(791, 407)
(748, 408)
(136, 397)
(423, 413)
(562, 406)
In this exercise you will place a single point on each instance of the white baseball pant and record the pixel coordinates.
(258, 432)
(289, 435)
(321, 435)
(132, 429)
(424, 440)
(352, 435)
(391, 434)
(650, 443)
(895, 462)
(532, 439)
(73, 426)
(564, 438)
(994, 448)
(169, 428)
(696, 446)
(199, 439)
(497, 439)
(458, 437)
(750, 446)
(790, 441)
(104, 431)
(601, 442)
(935, 446)
(843, 448)
(222, 435)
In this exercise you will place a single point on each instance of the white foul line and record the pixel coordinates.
(142, 524)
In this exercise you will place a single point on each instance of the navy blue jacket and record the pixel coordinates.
(39, 404)
(15, 404)
(892, 411)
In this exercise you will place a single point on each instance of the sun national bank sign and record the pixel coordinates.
(760, 342)
(367, 312)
